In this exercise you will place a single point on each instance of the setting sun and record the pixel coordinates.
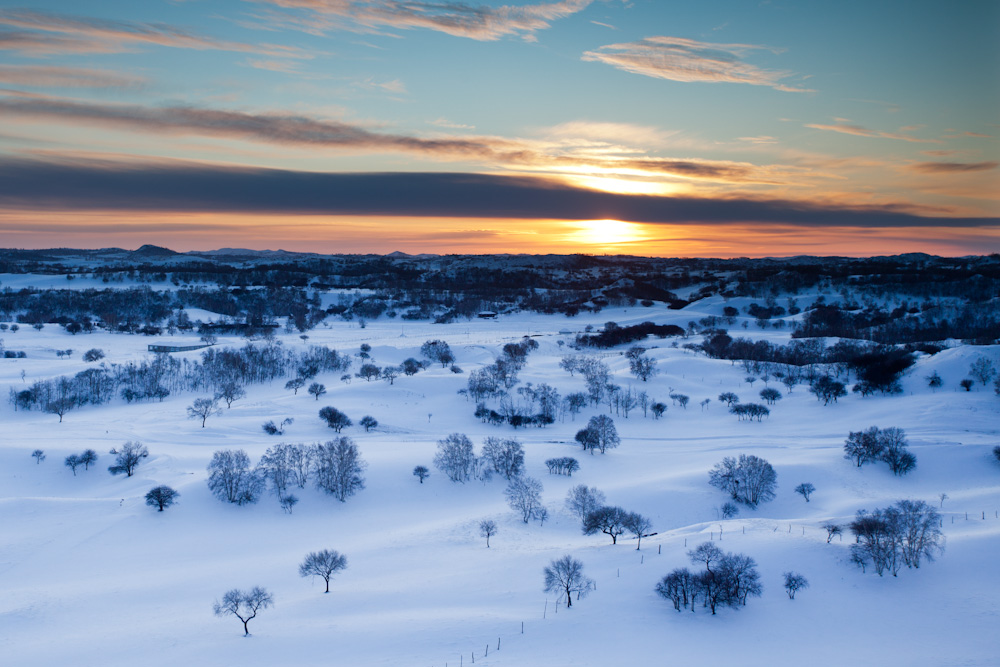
(606, 233)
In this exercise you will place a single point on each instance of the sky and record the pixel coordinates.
(641, 127)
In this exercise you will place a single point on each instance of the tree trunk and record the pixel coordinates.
(569, 599)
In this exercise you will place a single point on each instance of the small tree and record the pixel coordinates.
(232, 479)
(749, 480)
(966, 384)
(334, 418)
(203, 408)
(605, 435)
(244, 605)
(934, 380)
(422, 472)
(770, 395)
(316, 389)
(729, 398)
(524, 494)
(638, 525)
(323, 564)
(295, 384)
(729, 510)
(794, 583)
(368, 422)
(455, 457)
(487, 529)
(161, 497)
(390, 373)
(230, 391)
(93, 354)
(288, 502)
(805, 489)
(338, 468)
(609, 520)
(127, 458)
(983, 370)
(832, 530)
(71, 462)
(566, 576)
(38, 455)
(88, 457)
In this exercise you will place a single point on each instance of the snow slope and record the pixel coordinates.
(89, 575)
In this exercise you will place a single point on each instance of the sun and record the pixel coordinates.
(606, 233)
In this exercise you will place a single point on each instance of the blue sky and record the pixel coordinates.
(706, 128)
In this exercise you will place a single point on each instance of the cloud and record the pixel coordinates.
(395, 86)
(67, 77)
(680, 59)
(858, 131)
(40, 33)
(82, 184)
(952, 167)
(763, 139)
(303, 131)
(478, 22)
(444, 122)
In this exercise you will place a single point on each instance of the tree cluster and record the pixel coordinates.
(887, 445)
(727, 581)
(749, 479)
(903, 534)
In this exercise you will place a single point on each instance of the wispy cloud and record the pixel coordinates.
(451, 125)
(566, 154)
(763, 139)
(107, 185)
(42, 76)
(680, 59)
(38, 33)
(859, 131)
(395, 86)
(952, 167)
(478, 22)
(961, 135)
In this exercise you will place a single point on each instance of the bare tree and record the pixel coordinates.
(323, 564)
(794, 583)
(505, 456)
(230, 477)
(805, 489)
(338, 468)
(581, 500)
(38, 455)
(203, 408)
(422, 472)
(605, 433)
(638, 525)
(127, 458)
(565, 576)
(230, 391)
(982, 369)
(832, 530)
(316, 389)
(88, 457)
(524, 494)
(750, 480)
(295, 384)
(71, 462)
(487, 528)
(244, 605)
(609, 520)
(455, 457)
(334, 418)
(368, 422)
(161, 497)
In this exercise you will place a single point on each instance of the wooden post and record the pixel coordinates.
(659, 549)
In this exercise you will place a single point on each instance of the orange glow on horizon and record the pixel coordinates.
(382, 235)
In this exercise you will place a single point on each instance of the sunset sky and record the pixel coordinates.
(643, 127)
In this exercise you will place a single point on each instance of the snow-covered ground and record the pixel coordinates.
(90, 575)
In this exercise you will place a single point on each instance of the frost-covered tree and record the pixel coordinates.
(244, 605)
(338, 468)
(455, 457)
(581, 500)
(749, 480)
(565, 576)
(323, 564)
(504, 455)
(232, 479)
(524, 495)
(127, 458)
(161, 497)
